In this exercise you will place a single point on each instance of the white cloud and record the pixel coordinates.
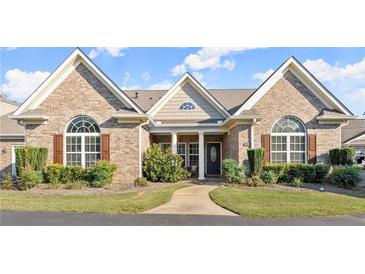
(146, 75)
(357, 95)
(178, 70)
(200, 77)
(229, 64)
(208, 58)
(20, 84)
(166, 84)
(126, 78)
(113, 51)
(262, 76)
(327, 72)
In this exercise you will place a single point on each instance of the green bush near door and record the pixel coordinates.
(256, 161)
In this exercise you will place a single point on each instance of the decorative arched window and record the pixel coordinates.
(82, 141)
(288, 141)
(187, 106)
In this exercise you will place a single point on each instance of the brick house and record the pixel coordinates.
(80, 115)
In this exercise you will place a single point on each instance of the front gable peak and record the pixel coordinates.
(188, 94)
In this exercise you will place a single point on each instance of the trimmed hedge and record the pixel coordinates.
(36, 157)
(256, 161)
(342, 156)
(309, 173)
(345, 176)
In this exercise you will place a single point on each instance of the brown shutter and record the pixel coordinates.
(105, 147)
(265, 143)
(312, 148)
(58, 149)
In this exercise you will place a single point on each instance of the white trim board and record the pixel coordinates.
(187, 78)
(305, 76)
(61, 73)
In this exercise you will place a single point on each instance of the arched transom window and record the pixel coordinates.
(187, 106)
(82, 142)
(288, 142)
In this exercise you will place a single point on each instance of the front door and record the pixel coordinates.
(213, 158)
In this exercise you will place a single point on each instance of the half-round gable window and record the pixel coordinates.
(187, 106)
(82, 142)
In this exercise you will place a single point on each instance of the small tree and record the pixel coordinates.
(256, 161)
(36, 157)
(348, 155)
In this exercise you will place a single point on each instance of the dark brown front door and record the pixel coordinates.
(213, 158)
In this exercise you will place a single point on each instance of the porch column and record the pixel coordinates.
(201, 156)
(174, 142)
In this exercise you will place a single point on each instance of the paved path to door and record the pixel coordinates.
(191, 201)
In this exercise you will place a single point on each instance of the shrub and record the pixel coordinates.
(297, 182)
(321, 172)
(140, 181)
(256, 161)
(30, 178)
(269, 177)
(307, 172)
(163, 166)
(36, 157)
(78, 184)
(348, 155)
(254, 181)
(53, 173)
(278, 169)
(7, 182)
(230, 167)
(234, 171)
(73, 173)
(342, 156)
(345, 176)
(101, 173)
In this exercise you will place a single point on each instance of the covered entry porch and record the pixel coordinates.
(197, 149)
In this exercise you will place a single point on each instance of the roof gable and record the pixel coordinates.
(71, 63)
(197, 87)
(305, 76)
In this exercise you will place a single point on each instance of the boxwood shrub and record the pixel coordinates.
(309, 173)
(345, 176)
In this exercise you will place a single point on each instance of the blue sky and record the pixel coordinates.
(341, 70)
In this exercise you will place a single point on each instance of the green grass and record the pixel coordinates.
(278, 203)
(128, 202)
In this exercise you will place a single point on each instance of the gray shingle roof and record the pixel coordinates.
(231, 99)
(353, 129)
(4, 99)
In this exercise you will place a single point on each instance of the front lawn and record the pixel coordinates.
(128, 202)
(280, 203)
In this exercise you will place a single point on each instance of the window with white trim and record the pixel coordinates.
(82, 142)
(193, 154)
(187, 106)
(288, 142)
(181, 151)
(165, 146)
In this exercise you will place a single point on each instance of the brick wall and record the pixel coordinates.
(82, 93)
(290, 97)
(5, 155)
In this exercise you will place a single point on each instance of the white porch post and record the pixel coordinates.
(201, 156)
(174, 142)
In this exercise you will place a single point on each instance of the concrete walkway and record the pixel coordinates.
(191, 201)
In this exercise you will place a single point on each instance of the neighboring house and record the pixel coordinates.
(82, 116)
(353, 135)
(11, 135)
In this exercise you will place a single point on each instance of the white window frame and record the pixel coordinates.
(165, 143)
(13, 158)
(185, 154)
(187, 102)
(288, 134)
(197, 143)
(82, 135)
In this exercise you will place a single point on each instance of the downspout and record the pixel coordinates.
(140, 148)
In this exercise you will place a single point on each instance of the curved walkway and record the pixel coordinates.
(191, 201)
